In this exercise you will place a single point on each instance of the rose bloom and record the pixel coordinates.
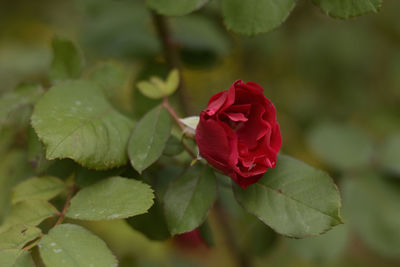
(238, 133)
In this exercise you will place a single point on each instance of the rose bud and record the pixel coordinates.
(190, 240)
(238, 133)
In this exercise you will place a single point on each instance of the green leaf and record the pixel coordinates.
(25, 260)
(150, 90)
(344, 9)
(72, 245)
(372, 208)
(40, 188)
(294, 199)
(13, 169)
(24, 94)
(189, 198)
(202, 40)
(390, 154)
(112, 198)
(327, 247)
(8, 257)
(110, 75)
(17, 236)
(156, 88)
(149, 138)
(173, 147)
(15, 258)
(85, 177)
(36, 153)
(74, 120)
(67, 61)
(172, 82)
(152, 224)
(113, 78)
(252, 17)
(175, 7)
(207, 234)
(29, 213)
(341, 146)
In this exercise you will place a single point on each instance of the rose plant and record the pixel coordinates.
(114, 167)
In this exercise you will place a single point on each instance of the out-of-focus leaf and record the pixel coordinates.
(341, 146)
(156, 88)
(152, 224)
(207, 234)
(390, 154)
(294, 199)
(39, 188)
(189, 198)
(24, 94)
(112, 198)
(150, 90)
(85, 177)
(203, 41)
(149, 138)
(74, 120)
(172, 82)
(25, 260)
(8, 257)
(67, 61)
(71, 245)
(17, 236)
(255, 16)
(345, 9)
(29, 213)
(110, 75)
(143, 104)
(108, 27)
(175, 7)
(173, 147)
(372, 208)
(327, 247)
(113, 77)
(63, 168)
(13, 169)
(15, 258)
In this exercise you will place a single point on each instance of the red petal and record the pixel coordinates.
(236, 116)
(216, 144)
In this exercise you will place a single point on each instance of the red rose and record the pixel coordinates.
(238, 133)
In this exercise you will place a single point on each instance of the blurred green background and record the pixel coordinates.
(335, 84)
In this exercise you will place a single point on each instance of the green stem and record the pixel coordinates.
(221, 217)
(171, 54)
(71, 193)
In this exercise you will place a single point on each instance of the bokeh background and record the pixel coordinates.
(335, 84)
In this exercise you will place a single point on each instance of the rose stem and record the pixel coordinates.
(220, 217)
(180, 124)
(61, 217)
(171, 54)
(173, 60)
(72, 190)
(173, 113)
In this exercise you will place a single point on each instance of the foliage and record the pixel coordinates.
(94, 152)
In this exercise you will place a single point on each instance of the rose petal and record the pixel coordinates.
(276, 138)
(216, 144)
(244, 182)
(216, 103)
(236, 116)
(255, 128)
